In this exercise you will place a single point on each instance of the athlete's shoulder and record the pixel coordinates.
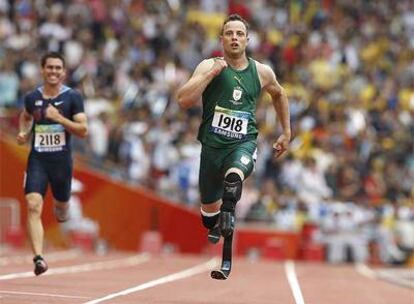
(204, 66)
(68, 90)
(36, 93)
(208, 62)
(265, 72)
(75, 99)
(262, 67)
(76, 93)
(33, 95)
(71, 93)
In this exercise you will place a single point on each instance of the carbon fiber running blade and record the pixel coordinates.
(224, 272)
(220, 274)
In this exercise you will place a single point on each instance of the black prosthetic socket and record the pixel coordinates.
(232, 192)
(209, 221)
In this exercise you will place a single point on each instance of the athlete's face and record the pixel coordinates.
(234, 38)
(53, 71)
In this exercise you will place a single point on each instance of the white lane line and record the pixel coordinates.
(52, 257)
(169, 278)
(41, 294)
(385, 275)
(103, 265)
(405, 273)
(293, 282)
(400, 276)
(365, 271)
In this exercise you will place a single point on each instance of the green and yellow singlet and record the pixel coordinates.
(229, 107)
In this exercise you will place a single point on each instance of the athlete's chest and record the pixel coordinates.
(61, 103)
(237, 88)
(230, 79)
(50, 136)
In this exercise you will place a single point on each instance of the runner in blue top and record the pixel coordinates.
(51, 114)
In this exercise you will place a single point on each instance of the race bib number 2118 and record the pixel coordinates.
(49, 138)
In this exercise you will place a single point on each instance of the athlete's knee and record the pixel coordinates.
(212, 207)
(34, 203)
(61, 204)
(233, 184)
(209, 220)
(210, 214)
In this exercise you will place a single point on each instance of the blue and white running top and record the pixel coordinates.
(50, 138)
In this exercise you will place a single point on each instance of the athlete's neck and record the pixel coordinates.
(51, 91)
(239, 63)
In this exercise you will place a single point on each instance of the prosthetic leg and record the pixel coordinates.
(226, 223)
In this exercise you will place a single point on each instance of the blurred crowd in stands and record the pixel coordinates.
(347, 66)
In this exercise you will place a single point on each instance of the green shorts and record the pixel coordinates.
(216, 161)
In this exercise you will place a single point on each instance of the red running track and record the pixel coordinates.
(120, 277)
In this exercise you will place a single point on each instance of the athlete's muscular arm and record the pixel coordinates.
(281, 105)
(25, 127)
(193, 89)
(79, 125)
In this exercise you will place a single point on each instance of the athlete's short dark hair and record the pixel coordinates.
(235, 17)
(48, 55)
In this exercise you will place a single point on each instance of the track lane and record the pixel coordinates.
(342, 284)
(250, 282)
(91, 284)
(253, 283)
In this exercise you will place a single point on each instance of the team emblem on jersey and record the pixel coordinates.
(245, 160)
(38, 103)
(237, 93)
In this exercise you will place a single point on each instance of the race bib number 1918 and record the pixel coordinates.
(230, 123)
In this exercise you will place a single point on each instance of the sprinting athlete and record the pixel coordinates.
(51, 114)
(229, 88)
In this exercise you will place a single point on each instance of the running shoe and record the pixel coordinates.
(40, 265)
